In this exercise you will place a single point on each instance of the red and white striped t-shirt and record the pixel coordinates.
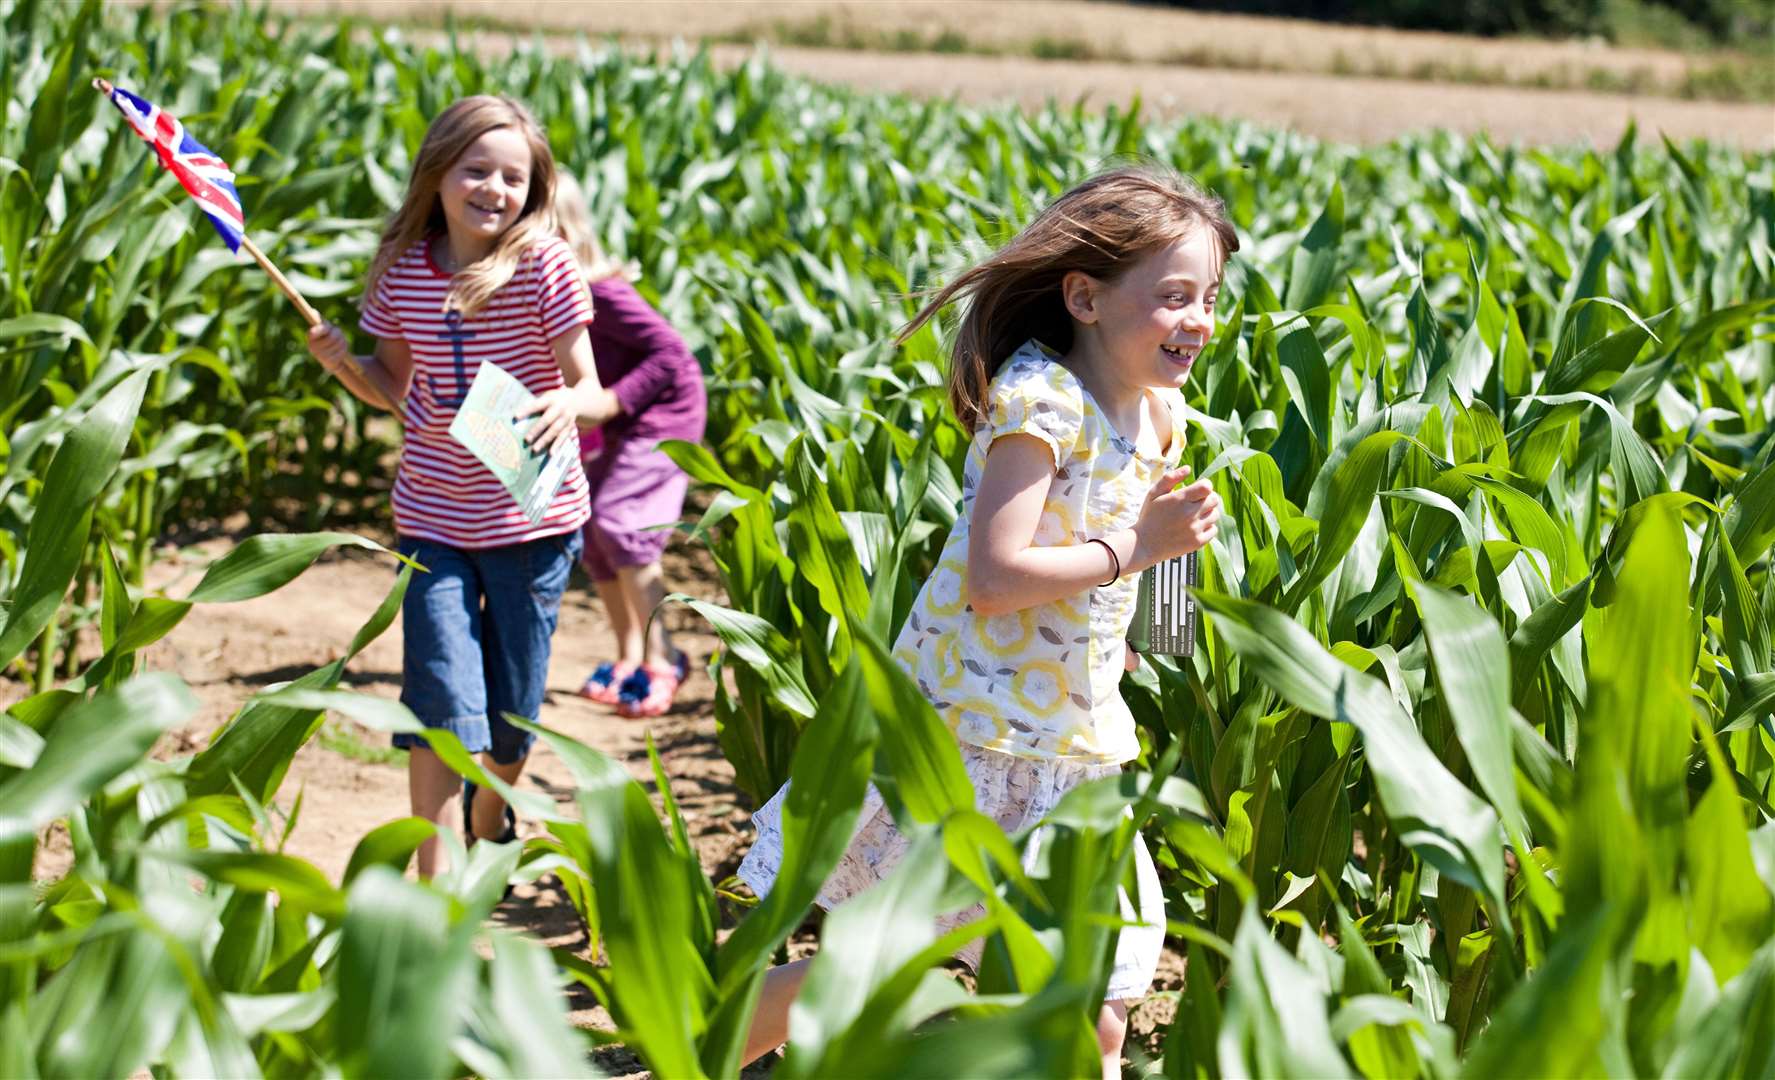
(441, 491)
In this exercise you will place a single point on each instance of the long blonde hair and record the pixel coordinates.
(574, 225)
(1101, 228)
(421, 213)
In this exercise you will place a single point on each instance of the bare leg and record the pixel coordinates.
(489, 808)
(625, 626)
(645, 587)
(432, 790)
(1112, 1029)
(770, 1023)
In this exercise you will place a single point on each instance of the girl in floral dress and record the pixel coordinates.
(1066, 367)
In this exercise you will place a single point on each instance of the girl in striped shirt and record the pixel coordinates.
(470, 271)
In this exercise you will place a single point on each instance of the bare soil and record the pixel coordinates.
(1318, 79)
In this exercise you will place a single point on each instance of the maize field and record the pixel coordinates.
(1471, 773)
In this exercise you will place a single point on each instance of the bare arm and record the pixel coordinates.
(380, 379)
(583, 401)
(1006, 572)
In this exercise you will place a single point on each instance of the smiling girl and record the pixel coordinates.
(470, 271)
(1066, 367)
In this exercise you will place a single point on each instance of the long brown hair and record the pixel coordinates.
(422, 213)
(1101, 228)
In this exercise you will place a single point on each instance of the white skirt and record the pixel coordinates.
(1014, 791)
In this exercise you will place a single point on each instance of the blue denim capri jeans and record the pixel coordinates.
(476, 635)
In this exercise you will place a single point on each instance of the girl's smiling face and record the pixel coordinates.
(484, 190)
(1153, 321)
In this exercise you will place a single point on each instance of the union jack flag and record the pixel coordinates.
(203, 174)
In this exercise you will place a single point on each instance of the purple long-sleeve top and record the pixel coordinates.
(647, 365)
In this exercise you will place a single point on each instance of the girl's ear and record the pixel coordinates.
(1078, 291)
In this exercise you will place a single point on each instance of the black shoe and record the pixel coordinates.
(468, 826)
(468, 818)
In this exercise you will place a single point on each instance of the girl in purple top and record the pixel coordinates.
(659, 392)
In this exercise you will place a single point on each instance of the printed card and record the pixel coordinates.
(488, 424)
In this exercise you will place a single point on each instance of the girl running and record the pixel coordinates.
(470, 271)
(1067, 366)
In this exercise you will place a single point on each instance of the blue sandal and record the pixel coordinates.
(604, 684)
(649, 691)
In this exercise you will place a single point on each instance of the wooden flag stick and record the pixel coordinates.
(283, 283)
(289, 290)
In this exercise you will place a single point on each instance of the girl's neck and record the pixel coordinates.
(456, 254)
(1120, 400)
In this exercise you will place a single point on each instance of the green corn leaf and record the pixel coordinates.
(49, 115)
(1308, 378)
(91, 744)
(391, 845)
(1750, 520)
(82, 466)
(1349, 500)
(828, 777)
(825, 555)
(1554, 1023)
(640, 884)
(116, 607)
(1527, 519)
(296, 882)
(401, 980)
(1731, 914)
(20, 746)
(1732, 1038)
(245, 945)
(1438, 817)
(1283, 1028)
(128, 985)
(916, 759)
(1473, 673)
(523, 1023)
(1637, 468)
(1315, 260)
(265, 563)
(761, 647)
(41, 324)
(1634, 762)
(865, 942)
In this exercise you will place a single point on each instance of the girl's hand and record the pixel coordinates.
(327, 344)
(556, 417)
(598, 407)
(1176, 522)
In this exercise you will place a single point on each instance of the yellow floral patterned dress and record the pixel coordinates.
(1032, 696)
(1041, 682)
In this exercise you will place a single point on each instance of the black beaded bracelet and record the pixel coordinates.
(1114, 560)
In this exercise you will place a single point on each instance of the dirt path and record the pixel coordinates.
(226, 652)
(1178, 63)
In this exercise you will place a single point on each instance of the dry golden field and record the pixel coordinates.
(1355, 84)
